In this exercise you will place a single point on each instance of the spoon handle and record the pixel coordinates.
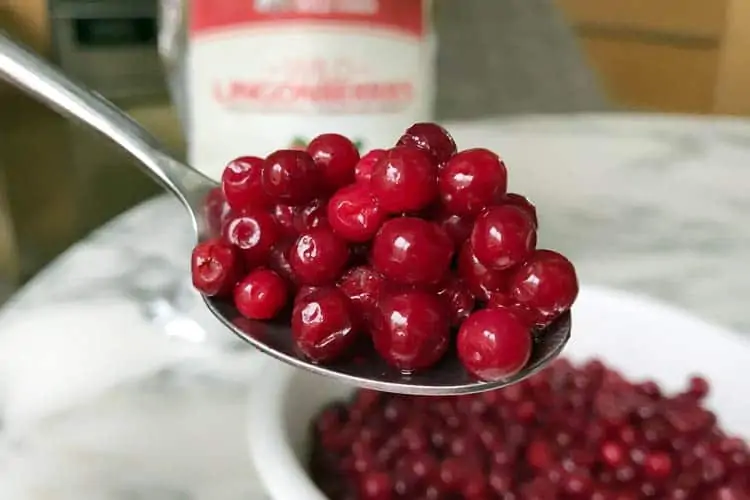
(24, 69)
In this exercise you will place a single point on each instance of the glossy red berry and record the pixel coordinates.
(322, 325)
(546, 283)
(375, 485)
(286, 220)
(412, 251)
(242, 183)
(215, 211)
(493, 344)
(578, 484)
(364, 287)
(411, 330)
(479, 279)
(365, 166)
(405, 180)
(311, 215)
(458, 297)
(476, 487)
(530, 317)
(215, 267)
(278, 261)
(657, 465)
(613, 454)
(454, 473)
(303, 292)
(413, 469)
(431, 138)
(318, 257)
(698, 387)
(471, 180)
(291, 177)
(521, 202)
(253, 232)
(354, 213)
(539, 454)
(503, 237)
(457, 227)
(260, 295)
(336, 157)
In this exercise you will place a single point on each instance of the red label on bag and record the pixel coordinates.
(404, 16)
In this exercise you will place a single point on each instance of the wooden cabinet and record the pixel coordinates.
(27, 21)
(689, 56)
(687, 17)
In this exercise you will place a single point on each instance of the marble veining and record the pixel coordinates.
(651, 204)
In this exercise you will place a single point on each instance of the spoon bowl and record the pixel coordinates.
(368, 370)
(27, 71)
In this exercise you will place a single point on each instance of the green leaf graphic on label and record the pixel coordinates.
(298, 143)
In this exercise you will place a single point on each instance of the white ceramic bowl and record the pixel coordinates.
(642, 338)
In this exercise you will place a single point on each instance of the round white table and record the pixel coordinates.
(108, 407)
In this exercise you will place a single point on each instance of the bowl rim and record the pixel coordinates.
(283, 476)
(272, 455)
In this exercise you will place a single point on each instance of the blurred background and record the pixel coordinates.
(59, 182)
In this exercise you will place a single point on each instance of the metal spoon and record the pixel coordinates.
(25, 70)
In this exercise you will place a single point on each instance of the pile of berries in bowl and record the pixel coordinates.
(412, 252)
(568, 432)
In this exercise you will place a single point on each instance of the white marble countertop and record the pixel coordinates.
(96, 402)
